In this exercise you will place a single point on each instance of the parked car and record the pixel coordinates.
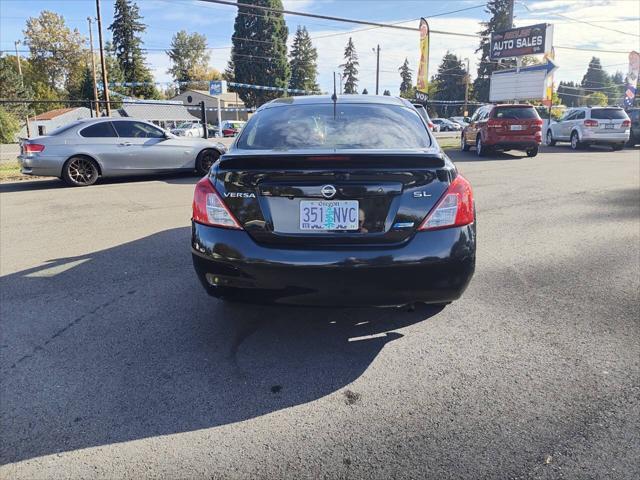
(317, 205)
(503, 127)
(446, 125)
(585, 126)
(634, 133)
(188, 129)
(459, 120)
(85, 150)
(425, 116)
(230, 128)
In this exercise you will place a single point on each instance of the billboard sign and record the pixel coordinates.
(632, 79)
(217, 87)
(517, 42)
(530, 83)
(423, 65)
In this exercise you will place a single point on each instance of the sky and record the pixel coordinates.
(165, 17)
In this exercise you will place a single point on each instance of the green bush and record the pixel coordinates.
(9, 127)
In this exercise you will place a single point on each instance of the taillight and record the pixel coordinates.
(537, 125)
(208, 207)
(454, 209)
(33, 147)
(626, 123)
(430, 126)
(590, 123)
(494, 123)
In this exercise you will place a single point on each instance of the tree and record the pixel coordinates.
(259, 51)
(596, 79)
(365, 92)
(596, 99)
(9, 126)
(449, 84)
(303, 62)
(12, 86)
(387, 93)
(188, 56)
(499, 10)
(570, 93)
(350, 68)
(55, 51)
(127, 44)
(406, 86)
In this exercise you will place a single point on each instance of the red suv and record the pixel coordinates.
(503, 127)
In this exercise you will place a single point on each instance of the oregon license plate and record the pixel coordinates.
(322, 215)
(609, 126)
(517, 127)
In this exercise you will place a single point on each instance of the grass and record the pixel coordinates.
(10, 171)
(449, 143)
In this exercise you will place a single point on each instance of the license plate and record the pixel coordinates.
(516, 127)
(609, 126)
(324, 215)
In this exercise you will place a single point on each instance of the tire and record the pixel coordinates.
(464, 147)
(80, 172)
(617, 147)
(206, 158)
(576, 144)
(481, 150)
(532, 152)
(550, 141)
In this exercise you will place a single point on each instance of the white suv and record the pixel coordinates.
(585, 126)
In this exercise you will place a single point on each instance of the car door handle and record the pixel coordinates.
(126, 144)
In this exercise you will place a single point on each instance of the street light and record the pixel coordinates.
(377, 52)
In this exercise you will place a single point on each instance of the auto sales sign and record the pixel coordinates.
(517, 42)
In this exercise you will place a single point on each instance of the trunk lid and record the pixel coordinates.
(272, 193)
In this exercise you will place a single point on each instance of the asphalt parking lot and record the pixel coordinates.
(116, 364)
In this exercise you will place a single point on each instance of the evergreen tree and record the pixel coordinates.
(126, 29)
(365, 92)
(387, 93)
(189, 57)
(406, 86)
(617, 89)
(12, 86)
(449, 84)
(596, 79)
(570, 93)
(350, 68)
(499, 10)
(303, 62)
(259, 52)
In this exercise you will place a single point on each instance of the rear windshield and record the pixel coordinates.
(351, 126)
(65, 128)
(608, 114)
(515, 113)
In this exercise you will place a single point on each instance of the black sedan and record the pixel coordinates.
(335, 201)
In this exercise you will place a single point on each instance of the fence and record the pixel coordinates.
(41, 117)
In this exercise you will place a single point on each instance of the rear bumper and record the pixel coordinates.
(433, 267)
(510, 145)
(513, 142)
(606, 138)
(45, 166)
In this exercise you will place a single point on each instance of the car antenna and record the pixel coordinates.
(334, 97)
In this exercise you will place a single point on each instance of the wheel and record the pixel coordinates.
(617, 147)
(463, 144)
(80, 172)
(575, 141)
(205, 159)
(550, 141)
(532, 152)
(481, 150)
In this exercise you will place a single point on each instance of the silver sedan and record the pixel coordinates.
(85, 150)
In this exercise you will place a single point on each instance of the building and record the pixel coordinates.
(45, 123)
(192, 99)
(163, 114)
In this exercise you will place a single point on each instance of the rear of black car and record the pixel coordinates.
(334, 203)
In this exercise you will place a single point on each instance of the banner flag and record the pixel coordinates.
(632, 79)
(423, 66)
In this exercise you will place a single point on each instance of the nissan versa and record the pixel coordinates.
(335, 201)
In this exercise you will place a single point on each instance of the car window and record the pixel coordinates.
(99, 130)
(515, 113)
(344, 126)
(65, 128)
(137, 130)
(608, 114)
(579, 115)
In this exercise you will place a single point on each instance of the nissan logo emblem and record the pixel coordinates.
(328, 191)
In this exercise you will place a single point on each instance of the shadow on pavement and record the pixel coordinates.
(124, 344)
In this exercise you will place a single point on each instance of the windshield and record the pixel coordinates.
(608, 114)
(370, 126)
(185, 125)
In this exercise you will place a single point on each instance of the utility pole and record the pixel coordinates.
(467, 78)
(377, 50)
(510, 13)
(105, 84)
(15, 44)
(93, 70)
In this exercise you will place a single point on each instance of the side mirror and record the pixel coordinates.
(467, 119)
